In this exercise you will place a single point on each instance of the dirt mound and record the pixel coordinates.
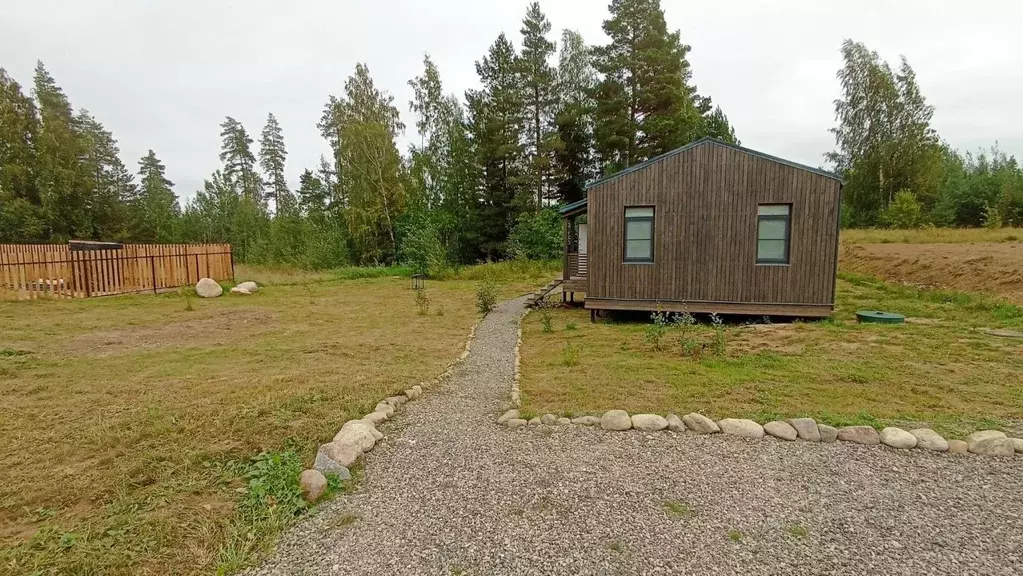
(988, 267)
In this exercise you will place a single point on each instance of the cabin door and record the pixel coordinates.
(582, 238)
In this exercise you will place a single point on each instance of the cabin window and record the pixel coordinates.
(773, 232)
(639, 234)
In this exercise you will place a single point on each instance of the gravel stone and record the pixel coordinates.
(806, 429)
(782, 430)
(509, 415)
(828, 433)
(675, 424)
(649, 422)
(700, 424)
(859, 435)
(448, 492)
(616, 420)
(927, 439)
(897, 438)
(741, 427)
(586, 420)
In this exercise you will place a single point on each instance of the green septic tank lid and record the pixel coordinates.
(879, 317)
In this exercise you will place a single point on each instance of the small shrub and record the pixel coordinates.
(683, 323)
(734, 535)
(903, 212)
(718, 344)
(422, 302)
(570, 326)
(678, 508)
(570, 355)
(188, 301)
(486, 296)
(797, 530)
(440, 310)
(546, 308)
(654, 333)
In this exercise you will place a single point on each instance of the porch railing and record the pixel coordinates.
(575, 265)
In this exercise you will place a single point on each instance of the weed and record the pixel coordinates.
(188, 300)
(486, 296)
(654, 332)
(569, 355)
(546, 308)
(456, 570)
(683, 323)
(346, 520)
(616, 546)
(734, 535)
(440, 311)
(422, 301)
(678, 508)
(796, 530)
(11, 352)
(571, 326)
(718, 344)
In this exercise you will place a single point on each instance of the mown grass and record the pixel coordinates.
(930, 235)
(940, 372)
(131, 424)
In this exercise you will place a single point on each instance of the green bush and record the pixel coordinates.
(537, 236)
(486, 296)
(903, 212)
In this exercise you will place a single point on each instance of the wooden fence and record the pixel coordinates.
(87, 269)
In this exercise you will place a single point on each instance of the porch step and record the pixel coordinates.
(540, 294)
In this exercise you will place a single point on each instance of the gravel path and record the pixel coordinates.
(448, 491)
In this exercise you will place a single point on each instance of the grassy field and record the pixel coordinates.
(931, 235)
(130, 423)
(938, 370)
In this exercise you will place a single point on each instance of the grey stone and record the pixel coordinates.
(897, 438)
(509, 415)
(324, 463)
(375, 417)
(516, 423)
(806, 429)
(927, 439)
(562, 421)
(418, 390)
(364, 424)
(385, 408)
(535, 421)
(859, 435)
(342, 453)
(982, 435)
(741, 427)
(313, 484)
(208, 288)
(396, 401)
(675, 424)
(649, 422)
(548, 419)
(700, 424)
(616, 420)
(360, 436)
(993, 446)
(782, 430)
(958, 447)
(250, 287)
(586, 420)
(1017, 444)
(240, 290)
(828, 433)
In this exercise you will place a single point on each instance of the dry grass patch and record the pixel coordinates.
(946, 374)
(931, 235)
(128, 422)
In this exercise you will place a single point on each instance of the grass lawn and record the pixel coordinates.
(129, 423)
(930, 235)
(938, 370)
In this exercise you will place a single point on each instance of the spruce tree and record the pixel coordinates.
(537, 79)
(239, 161)
(716, 125)
(108, 182)
(574, 118)
(272, 155)
(20, 215)
(155, 207)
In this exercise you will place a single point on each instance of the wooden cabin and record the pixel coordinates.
(708, 227)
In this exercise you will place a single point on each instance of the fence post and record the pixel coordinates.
(88, 282)
(230, 253)
(152, 270)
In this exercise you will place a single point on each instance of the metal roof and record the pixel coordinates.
(573, 206)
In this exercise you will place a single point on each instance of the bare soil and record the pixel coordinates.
(989, 267)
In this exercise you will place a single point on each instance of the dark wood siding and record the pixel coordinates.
(705, 212)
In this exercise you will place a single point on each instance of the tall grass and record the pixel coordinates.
(503, 271)
(931, 235)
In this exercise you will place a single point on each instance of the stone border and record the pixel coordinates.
(358, 436)
(985, 442)
(516, 397)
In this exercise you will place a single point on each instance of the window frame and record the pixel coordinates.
(787, 219)
(625, 233)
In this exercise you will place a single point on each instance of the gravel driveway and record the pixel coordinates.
(448, 491)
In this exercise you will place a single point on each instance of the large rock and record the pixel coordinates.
(741, 427)
(396, 401)
(615, 420)
(326, 465)
(342, 453)
(806, 429)
(982, 435)
(700, 424)
(958, 447)
(782, 430)
(549, 420)
(357, 435)
(375, 417)
(649, 422)
(509, 415)
(249, 287)
(1017, 444)
(208, 288)
(516, 423)
(586, 420)
(313, 484)
(897, 438)
(675, 424)
(828, 433)
(859, 435)
(240, 290)
(562, 421)
(927, 439)
(384, 407)
(993, 446)
(535, 421)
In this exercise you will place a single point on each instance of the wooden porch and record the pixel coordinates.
(575, 272)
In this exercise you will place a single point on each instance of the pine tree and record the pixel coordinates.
(272, 155)
(20, 216)
(537, 80)
(109, 184)
(312, 194)
(716, 125)
(239, 161)
(155, 207)
(574, 119)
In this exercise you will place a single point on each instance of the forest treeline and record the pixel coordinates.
(486, 169)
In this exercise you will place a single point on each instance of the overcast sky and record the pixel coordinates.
(163, 75)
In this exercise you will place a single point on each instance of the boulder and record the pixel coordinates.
(927, 439)
(782, 430)
(365, 424)
(385, 408)
(516, 423)
(859, 435)
(340, 453)
(806, 429)
(586, 420)
(675, 424)
(563, 421)
(313, 484)
(239, 290)
(958, 447)
(375, 417)
(249, 287)
(396, 401)
(208, 288)
(993, 446)
(649, 422)
(535, 421)
(327, 465)
(359, 436)
(615, 420)
(741, 427)
(1017, 444)
(549, 420)
(418, 390)
(509, 415)
(700, 424)
(982, 435)
(828, 433)
(897, 438)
